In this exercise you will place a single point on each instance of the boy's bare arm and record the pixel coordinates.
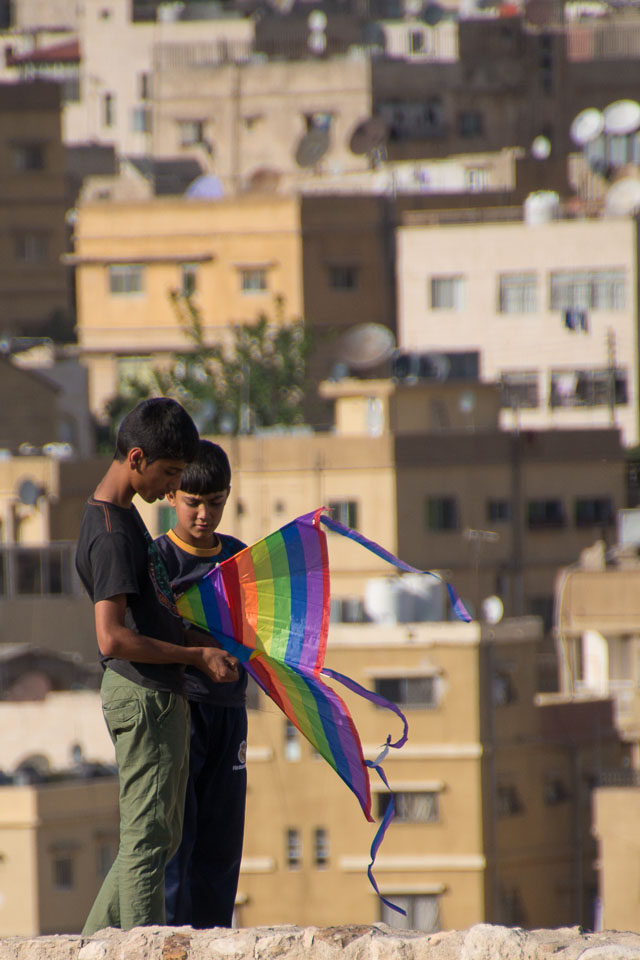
(119, 641)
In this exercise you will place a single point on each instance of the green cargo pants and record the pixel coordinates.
(150, 731)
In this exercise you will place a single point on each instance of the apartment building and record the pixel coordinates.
(34, 284)
(326, 260)
(497, 511)
(57, 840)
(491, 793)
(492, 822)
(550, 304)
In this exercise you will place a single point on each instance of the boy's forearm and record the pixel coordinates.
(122, 643)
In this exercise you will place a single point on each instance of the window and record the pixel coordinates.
(476, 179)
(422, 911)
(441, 513)
(31, 248)
(107, 850)
(252, 694)
(321, 847)
(347, 610)
(518, 293)
(344, 277)
(545, 514)
(144, 86)
(345, 512)
(508, 801)
(587, 290)
(28, 156)
(412, 806)
(498, 511)
(70, 90)
(470, 124)
(166, 518)
(63, 874)
(447, 293)
(519, 389)
(318, 121)
(292, 747)
(555, 791)
(408, 691)
(588, 388)
(593, 511)
(126, 279)
(293, 849)
(416, 41)
(504, 690)
(108, 110)
(253, 279)
(141, 119)
(190, 132)
(189, 282)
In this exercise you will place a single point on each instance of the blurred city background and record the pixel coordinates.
(386, 252)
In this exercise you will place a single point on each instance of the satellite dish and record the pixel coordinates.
(623, 197)
(29, 493)
(317, 20)
(541, 148)
(366, 345)
(368, 135)
(205, 187)
(621, 117)
(312, 148)
(587, 126)
(432, 14)
(265, 180)
(436, 366)
(492, 609)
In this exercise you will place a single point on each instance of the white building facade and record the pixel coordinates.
(551, 307)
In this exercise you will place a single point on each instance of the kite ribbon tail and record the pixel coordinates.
(389, 813)
(382, 829)
(374, 698)
(456, 603)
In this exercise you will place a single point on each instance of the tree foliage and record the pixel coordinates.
(258, 380)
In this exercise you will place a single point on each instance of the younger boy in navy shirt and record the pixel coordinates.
(201, 879)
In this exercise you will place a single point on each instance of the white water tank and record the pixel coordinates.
(410, 598)
(541, 206)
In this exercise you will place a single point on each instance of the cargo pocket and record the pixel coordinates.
(121, 715)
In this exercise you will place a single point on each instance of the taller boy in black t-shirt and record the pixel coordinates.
(202, 877)
(143, 649)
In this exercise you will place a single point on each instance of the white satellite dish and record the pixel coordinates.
(541, 148)
(623, 197)
(492, 609)
(366, 345)
(621, 117)
(587, 126)
(317, 20)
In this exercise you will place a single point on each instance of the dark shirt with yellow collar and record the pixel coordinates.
(186, 565)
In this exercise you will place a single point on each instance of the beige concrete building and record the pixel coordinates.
(616, 811)
(497, 511)
(324, 259)
(550, 303)
(57, 842)
(33, 282)
(492, 823)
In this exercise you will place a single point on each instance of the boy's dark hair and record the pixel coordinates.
(161, 428)
(210, 472)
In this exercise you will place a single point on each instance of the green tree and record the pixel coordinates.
(258, 380)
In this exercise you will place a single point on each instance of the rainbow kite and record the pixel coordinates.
(269, 606)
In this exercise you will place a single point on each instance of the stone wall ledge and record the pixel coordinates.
(377, 942)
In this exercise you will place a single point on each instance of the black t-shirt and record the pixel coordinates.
(186, 565)
(115, 555)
